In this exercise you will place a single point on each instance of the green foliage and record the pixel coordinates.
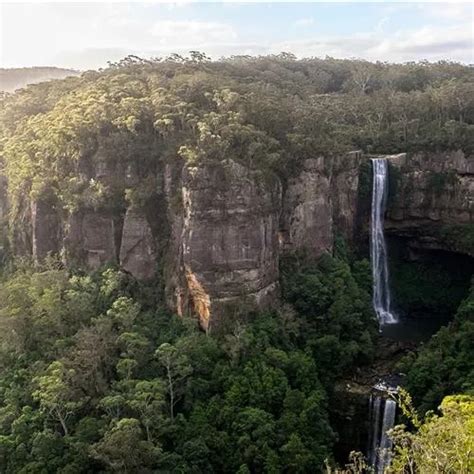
(429, 288)
(336, 310)
(444, 366)
(441, 443)
(122, 448)
(97, 378)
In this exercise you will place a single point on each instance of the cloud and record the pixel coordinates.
(431, 43)
(87, 35)
(380, 26)
(191, 32)
(448, 11)
(90, 58)
(302, 22)
(338, 46)
(95, 58)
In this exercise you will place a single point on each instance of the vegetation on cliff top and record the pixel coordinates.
(270, 112)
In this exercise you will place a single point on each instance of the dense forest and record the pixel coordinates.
(97, 375)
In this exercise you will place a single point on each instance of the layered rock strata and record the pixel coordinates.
(215, 232)
(432, 200)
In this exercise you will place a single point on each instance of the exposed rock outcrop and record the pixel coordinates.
(137, 249)
(345, 187)
(45, 224)
(321, 202)
(432, 196)
(3, 216)
(228, 252)
(307, 217)
(90, 239)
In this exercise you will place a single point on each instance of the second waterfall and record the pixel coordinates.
(378, 247)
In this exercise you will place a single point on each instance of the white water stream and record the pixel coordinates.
(382, 419)
(378, 247)
(382, 407)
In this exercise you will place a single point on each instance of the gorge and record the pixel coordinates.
(202, 263)
(224, 241)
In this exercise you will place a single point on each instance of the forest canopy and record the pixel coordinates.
(271, 112)
(98, 377)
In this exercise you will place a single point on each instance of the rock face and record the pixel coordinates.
(346, 193)
(90, 239)
(137, 249)
(432, 195)
(215, 232)
(3, 198)
(45, 225)
(228, 253)
(3, 216)
(320, 202)
(307, 217)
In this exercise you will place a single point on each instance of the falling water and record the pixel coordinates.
(375, 403)
(382, 419)
(382, 407)
(378, 247)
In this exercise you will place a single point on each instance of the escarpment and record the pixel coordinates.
(137, 249)
(432, 201)
(213, 233)
(225, 236)
(320, 202)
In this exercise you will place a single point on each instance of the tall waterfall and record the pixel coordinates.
(378, 247)
(382, 419)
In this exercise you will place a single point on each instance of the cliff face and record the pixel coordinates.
(320, 202)
(216, 232)
(432, 201)
(137, 249)
(307, 217)
(227, 240)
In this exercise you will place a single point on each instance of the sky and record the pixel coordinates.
(87, 35)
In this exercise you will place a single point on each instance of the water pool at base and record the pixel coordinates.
(413, 330)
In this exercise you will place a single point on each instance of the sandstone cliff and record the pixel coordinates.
(320, 202)
(432, 200)
(225, 240)
(215, 232)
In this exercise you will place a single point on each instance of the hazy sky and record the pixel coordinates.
(86, 35)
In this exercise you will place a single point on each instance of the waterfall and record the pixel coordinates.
(382, 419)
(375, 402)
(378, 247)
